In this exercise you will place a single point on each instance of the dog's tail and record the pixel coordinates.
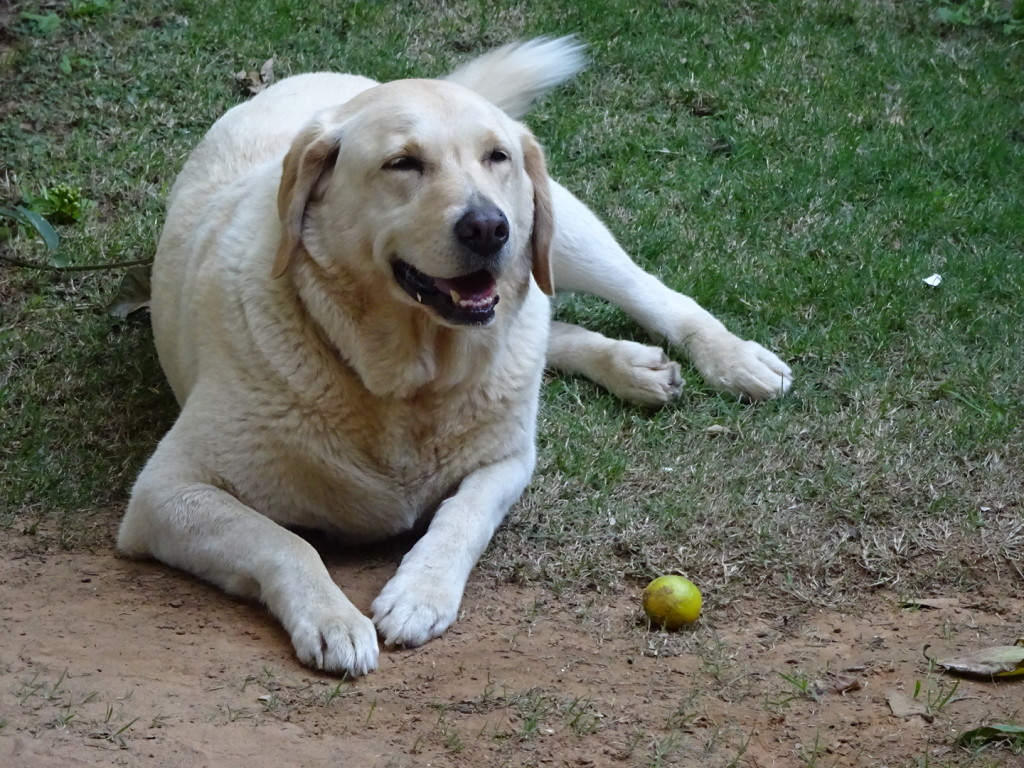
(516, 75)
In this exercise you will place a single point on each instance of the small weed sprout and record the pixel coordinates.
(810, 756)
(233, 714)
(335, 692)
(802, 684)
(28, 689)
(60, 204)
(664, 749)
(64, 719)
(533, 707)
(270, 702)
(116, 737)
(583, 719)
(450, 736)
(937, 695)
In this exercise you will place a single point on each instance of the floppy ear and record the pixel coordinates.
(307, 167)
(543, 214)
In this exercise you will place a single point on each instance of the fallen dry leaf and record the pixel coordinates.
(132, 294)
(998, 661)
(253, 82)
(904, 706)
(845, 684)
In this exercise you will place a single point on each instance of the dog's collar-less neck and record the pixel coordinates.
(395, 350)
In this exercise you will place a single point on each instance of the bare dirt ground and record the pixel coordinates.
(109, 662)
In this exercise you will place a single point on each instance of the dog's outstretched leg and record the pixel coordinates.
(180, 518)
(422, 599)
(586, 257)
(635, 372)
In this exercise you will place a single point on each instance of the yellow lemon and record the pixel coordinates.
(672, 601)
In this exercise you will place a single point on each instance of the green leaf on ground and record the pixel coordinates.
(990, 734)
(30, 218)
(43, 24)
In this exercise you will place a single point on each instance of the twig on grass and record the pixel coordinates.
(13, 260)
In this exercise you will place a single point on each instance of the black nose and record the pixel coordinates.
(483, 230)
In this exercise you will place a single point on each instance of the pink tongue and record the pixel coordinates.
(476, 286)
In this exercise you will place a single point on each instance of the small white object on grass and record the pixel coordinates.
(933, 280)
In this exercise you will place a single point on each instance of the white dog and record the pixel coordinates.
(350, 300)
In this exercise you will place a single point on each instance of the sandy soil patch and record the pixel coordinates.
(109, 662)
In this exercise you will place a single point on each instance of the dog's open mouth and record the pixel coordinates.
(464, 300)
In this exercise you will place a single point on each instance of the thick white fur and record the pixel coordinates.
(514, 76)
(316, 393)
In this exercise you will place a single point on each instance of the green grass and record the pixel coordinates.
(797, 167)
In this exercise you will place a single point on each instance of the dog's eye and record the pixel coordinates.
(404, 163)
(497, 156)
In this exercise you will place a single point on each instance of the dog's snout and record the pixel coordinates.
(483, 230)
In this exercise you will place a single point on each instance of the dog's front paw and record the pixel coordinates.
(410, 611)
(640, 374)
(336, 639)
(748, 370)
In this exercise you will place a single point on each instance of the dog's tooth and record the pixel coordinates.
(419, 298)
(455, 296)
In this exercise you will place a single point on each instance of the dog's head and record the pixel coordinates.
(427, 191)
